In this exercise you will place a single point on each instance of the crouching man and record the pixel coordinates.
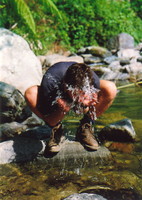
(66, 86)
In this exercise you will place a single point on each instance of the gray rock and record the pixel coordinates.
(13, 106)
(10, 130)
(85, 196)
(121, 41)
(115, 66)
(82, 51)
(95, 51)
(139, 59)
(19, 150)
(39, 132)
(72, 155)
(124, 62)
(110, 59)
(128, 54)
(98, 51)
(33, 121)
(121, 131)
(19, 65)
(135, 68)
(139, 47)
(92, 59)
(115, 75)
(54, 58)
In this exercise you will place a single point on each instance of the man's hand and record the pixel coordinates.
(88, 100)
(86, 103)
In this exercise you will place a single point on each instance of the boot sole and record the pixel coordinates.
(88, 146)
(91, 147)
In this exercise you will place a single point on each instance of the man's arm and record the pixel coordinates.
(31, 96)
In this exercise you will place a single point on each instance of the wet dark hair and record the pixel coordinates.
(77, 74)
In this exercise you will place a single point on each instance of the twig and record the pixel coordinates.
(129, 85)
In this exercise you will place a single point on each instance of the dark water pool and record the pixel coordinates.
(122, 179)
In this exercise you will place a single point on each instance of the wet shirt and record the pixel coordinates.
(51, 86)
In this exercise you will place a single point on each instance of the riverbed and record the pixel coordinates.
(117, 180)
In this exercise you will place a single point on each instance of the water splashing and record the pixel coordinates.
(79, 96)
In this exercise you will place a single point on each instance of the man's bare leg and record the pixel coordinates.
(31, 96)
(57, 134)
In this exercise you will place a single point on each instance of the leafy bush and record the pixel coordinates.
(70, 24)
(137, 7)
(91, 22)
(114, 17)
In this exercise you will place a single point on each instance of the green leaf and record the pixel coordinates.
(25, 13)
(50, 5)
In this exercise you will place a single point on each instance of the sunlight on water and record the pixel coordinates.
(121, 179)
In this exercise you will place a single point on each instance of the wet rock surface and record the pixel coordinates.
(13, 106)
(72, 154)
(120, 131)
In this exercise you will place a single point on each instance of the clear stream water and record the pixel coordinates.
(121, 179)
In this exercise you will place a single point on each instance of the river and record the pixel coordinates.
(121, 179)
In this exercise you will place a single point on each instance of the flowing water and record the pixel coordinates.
(121, 179)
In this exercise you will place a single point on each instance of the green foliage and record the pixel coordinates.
(114, 17)
(90, 22)
(16, 11)
(80, 22)
(48, 4)
(137, 7)
(24, 13)
(71, 24)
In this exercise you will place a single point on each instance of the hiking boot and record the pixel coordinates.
(85, 136)
(56, 139)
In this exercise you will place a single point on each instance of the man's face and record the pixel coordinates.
(83, 98)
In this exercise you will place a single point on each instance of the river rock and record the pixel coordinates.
(19, 150)
(121, 131)
(139, 47)
(92, 59)
(54, 58)
(85, 196)
(9, 130)
(95, 51)
(13, 106)
(72, 155)
(139, 59)
(128, 53)
(32, 127)
(135, 68)
(121, 41)
(19, 65)
(110, 59)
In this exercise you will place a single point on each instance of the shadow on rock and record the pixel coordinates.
(26, 149)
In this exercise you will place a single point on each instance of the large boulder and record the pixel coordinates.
(18, 64)
(120, 131)
(121, 41)
(72, 155)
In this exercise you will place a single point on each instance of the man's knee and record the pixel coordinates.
(31, 95)
(108, 89)
(112, 90)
